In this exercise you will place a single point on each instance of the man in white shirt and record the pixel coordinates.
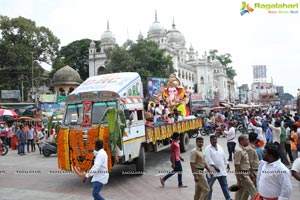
(216, 161)
(99, 171)
(258, 130)
(273, 178)
(276, 131)
(230, 136)
(296, 171)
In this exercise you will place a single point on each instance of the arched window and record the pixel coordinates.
(182, 74)
(192, 77)
(179, 73)
(101, 70)
(186, 76)
(62, 92)
(71, 90)
(202, 80)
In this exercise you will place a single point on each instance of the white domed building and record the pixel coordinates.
(199, 75)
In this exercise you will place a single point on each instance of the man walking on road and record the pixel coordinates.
(99, 171)
(176, 162)
(21, 134)
(230, 136)
(198, 163)
(242, 170)
(217, 162)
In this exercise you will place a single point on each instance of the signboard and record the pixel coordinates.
(124, 84)
(50, 107)
(10, 94)
(154, 85)
(48, 98)
(61, 99)
(259, 72)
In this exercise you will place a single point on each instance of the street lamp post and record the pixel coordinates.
(32, 74)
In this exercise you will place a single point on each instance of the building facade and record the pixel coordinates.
(199, 74)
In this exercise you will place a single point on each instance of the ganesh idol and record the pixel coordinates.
(176, 96)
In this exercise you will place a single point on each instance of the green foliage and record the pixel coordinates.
(225, 60)
(143, 57)
(286, 97)
(116, 127)
(22, 42)
(76, 55)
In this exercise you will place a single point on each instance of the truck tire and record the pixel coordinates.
(184, 142)
(140, 162)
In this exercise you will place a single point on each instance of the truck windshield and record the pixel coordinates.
(74, 114)
(98, 110)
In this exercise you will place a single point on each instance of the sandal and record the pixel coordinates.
(162, 181)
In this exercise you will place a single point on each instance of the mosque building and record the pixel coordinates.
(201, 76)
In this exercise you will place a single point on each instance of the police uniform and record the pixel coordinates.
(201, 187)
(253, 160)
(241, 158)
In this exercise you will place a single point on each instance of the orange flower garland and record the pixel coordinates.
(72, 149)
(63, 150)
(104, 136)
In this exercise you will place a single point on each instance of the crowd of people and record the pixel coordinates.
(28, 135)
(264, 156)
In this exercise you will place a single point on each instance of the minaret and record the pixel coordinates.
(92, 48)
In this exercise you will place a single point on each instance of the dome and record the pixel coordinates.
(174, 36)
(216, 62)
(66, 75)
(92, 44)
(191, 49)
(156, 28)
(140, 36)
(108, 37)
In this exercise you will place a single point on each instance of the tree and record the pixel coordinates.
(21, 43)
(286, 97)
(143, 57)
(225, 60)
(75, 55)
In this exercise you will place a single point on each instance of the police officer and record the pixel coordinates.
(197, 161)
(242, 170)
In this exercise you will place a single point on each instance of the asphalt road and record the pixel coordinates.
(35, 177)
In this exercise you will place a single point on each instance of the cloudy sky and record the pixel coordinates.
(257, 38)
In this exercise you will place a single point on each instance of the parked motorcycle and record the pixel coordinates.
(4, 149)
(207, 130)
(49, 148)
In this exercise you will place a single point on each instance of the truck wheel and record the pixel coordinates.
(140, 162)
(184, 142)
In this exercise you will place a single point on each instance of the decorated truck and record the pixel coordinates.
(110, 107)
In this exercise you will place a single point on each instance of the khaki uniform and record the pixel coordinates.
(253, 158)
(201, 187)
(241, 158)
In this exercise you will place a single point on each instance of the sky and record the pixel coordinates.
(256, 38)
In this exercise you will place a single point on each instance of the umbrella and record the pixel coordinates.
(6, 112)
